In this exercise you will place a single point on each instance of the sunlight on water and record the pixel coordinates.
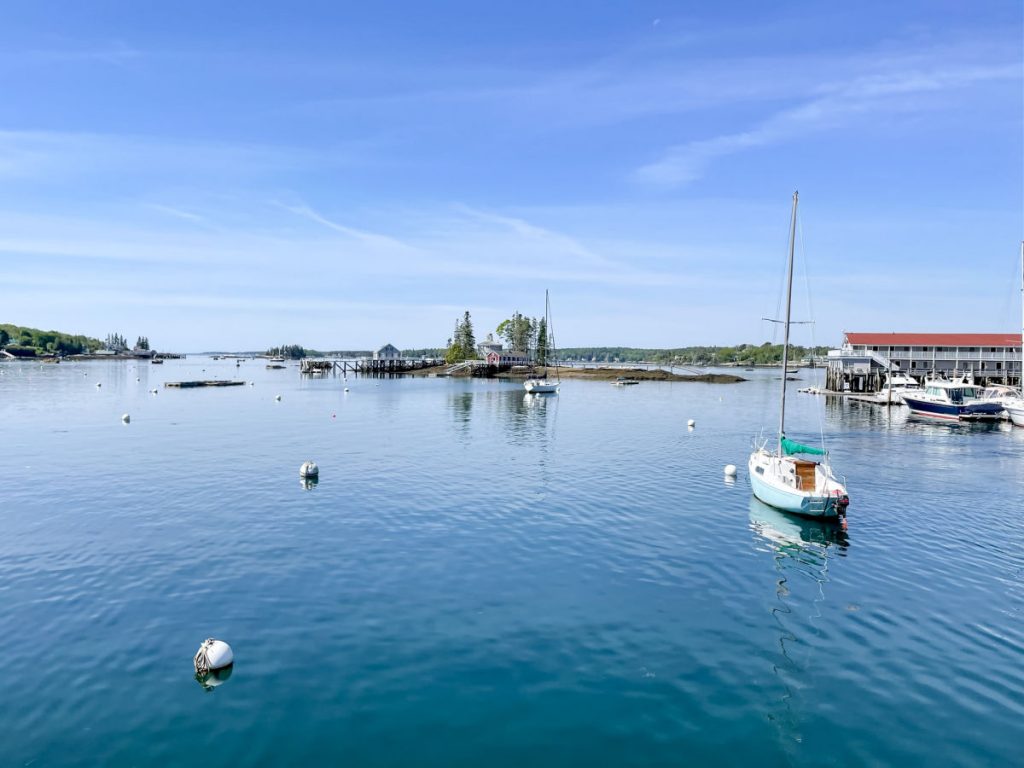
(486, 577)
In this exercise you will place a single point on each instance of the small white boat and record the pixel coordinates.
(546, 385)
(1006, 396)
(1016, 414)
(896, 384)
(779, 477)
(622, 381)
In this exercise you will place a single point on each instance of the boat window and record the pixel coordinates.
(956, 395)
(759, 470)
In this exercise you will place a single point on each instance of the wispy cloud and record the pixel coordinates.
(368, 238)
(834, 104)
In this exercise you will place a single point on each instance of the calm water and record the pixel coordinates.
(481, 579)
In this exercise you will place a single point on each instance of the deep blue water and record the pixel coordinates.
(484, 579)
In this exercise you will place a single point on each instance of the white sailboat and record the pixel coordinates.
(779, 477)
(546, 385)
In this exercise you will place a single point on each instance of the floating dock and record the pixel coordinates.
(193, 384)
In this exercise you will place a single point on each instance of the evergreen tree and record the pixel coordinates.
(542, 341)
(4, 337)
(466, 338)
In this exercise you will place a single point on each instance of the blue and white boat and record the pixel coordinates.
(779, 477)
(955, 400)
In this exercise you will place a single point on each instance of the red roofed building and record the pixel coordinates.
(864, 357)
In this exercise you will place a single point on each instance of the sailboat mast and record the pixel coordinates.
(1020, 381)
(789, 306)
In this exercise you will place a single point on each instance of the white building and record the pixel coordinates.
(388, 352)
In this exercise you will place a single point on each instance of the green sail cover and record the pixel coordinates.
(791, 447)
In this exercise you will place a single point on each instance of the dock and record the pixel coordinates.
(366, 366)
(207, 383)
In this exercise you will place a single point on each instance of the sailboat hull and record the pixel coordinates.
(770, 486)
(535, 387)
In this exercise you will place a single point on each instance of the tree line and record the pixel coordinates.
(42, 342)
(740, 354)
(526, 335)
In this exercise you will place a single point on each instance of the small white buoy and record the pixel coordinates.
(252, 383)
(137, 378)
(213, 655)
(346, 389)
(730, 470)
(691, 423)
(98, 384)
(277, 397)
(152, 391)
(126, 418)
(309, 469)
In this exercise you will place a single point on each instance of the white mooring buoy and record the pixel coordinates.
(213, 654)
(98, 384)
(309, 469)
(346, 389)
(691, 423)
(126, 418)
(277, 397)
(730, 470)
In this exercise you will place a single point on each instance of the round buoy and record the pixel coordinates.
(152, 391)
(252, 383)
(309, 469)
(730, 470)
(346, 389)
(213, 654)
(98, 384)
(126, 418)
(691, 423)
(277, 397)
(137, 378)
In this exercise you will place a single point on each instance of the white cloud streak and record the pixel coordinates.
(836, 104)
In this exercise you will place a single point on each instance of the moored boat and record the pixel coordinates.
(955, 400)
(545, 385)
(780, 478)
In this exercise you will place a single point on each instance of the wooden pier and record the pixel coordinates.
(365, 366)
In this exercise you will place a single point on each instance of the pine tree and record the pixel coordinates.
(467, 340)
(542, 341)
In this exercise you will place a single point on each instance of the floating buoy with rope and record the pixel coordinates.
(730, 470)
(309, 469)
(213, 663)
(277, 397)
(691, 423)
(212, 655)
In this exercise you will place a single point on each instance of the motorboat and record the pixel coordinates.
(623, 381)
(956, 400)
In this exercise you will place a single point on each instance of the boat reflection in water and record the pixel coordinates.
(794, 535)
(801, 549)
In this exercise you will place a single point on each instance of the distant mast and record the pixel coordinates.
(785, 339)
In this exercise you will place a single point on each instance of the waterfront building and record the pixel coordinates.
(388, 352)
(864, 358)
(506, 358)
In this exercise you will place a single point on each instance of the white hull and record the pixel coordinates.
(1016, 415)
(541, 386)
(786, 483)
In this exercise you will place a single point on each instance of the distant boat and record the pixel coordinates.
(778, 477)
(157, 361)
(622, 381)
(546, 386)
(955, 400)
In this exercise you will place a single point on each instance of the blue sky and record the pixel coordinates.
(234, 175)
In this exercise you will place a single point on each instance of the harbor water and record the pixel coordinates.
(485, 578)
